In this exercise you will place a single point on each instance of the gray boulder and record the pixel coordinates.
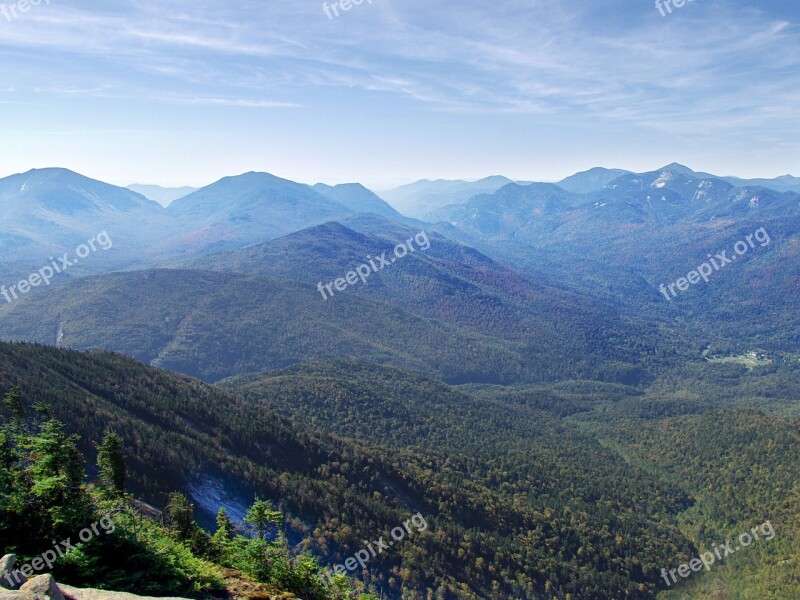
(9, 579)
(43, 586)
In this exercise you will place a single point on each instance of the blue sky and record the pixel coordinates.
(186, 92)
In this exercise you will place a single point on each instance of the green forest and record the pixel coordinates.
(547, 491)
(46, 496)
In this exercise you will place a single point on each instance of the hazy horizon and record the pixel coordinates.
(398, 183)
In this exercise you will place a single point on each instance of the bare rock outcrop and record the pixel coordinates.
(44, 587)
(9, 578)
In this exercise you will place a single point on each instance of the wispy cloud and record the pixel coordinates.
(523, 56)
(713, 71)
(239, 102)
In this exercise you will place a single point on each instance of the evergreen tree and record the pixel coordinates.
(225, 528)
(8, 459)
(57, 473)
(181, 517)
(111, 462)
(262, 516)
(224, 535)
(13, 403)
(42, 478)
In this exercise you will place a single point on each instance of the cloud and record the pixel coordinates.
(710, 71)
(240, 102)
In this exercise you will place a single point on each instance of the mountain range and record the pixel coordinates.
(422, 198)
(50, 210)
(519, 378)
(590, 260)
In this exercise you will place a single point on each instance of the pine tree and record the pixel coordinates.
(57, 472)
(181, 517)
(222, 538)
(111, 462)
(13, 403)
(263, 517)
(225, 528)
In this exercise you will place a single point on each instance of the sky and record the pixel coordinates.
(391, 91)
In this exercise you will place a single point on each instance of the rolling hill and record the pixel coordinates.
(213, 325)
(183, 435)
(442, 279)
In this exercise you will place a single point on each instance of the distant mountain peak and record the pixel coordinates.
(591, 181)
(342, 185)
(353, 187)
(423, 197)
(687, 172)
(494, 179)
(330, 227)
(63, 190)
(54, 170)
(678, 168)
(253, 175)
(357, 198)
(56, 174)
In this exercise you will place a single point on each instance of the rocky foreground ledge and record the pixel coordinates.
(44, 587)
